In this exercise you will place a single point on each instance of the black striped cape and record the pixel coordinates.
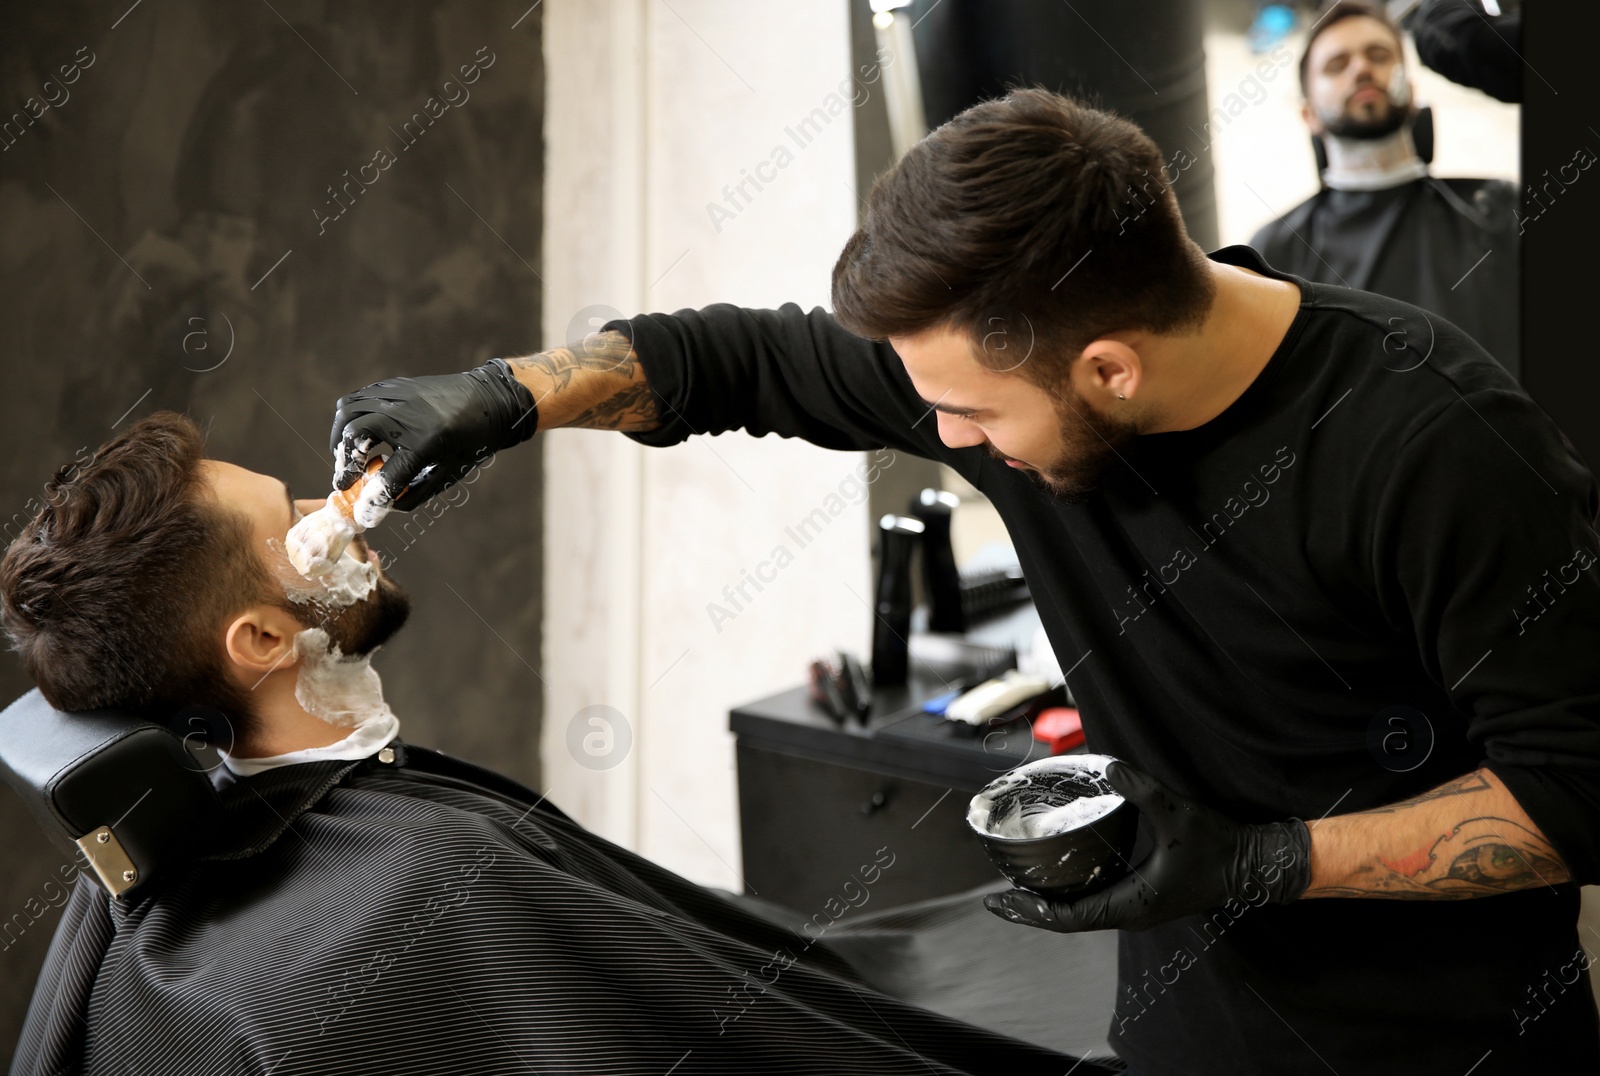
(431, 917)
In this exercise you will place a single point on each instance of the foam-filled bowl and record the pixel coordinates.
(1056, 826)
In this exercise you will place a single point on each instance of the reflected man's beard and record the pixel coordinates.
(1089, 448)
(1348, 125)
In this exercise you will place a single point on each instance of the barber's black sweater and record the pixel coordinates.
(1374, 572)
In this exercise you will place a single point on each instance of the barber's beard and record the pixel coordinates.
(1090, 443)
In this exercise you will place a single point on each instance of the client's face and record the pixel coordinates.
(1350, 75)
(272, 509)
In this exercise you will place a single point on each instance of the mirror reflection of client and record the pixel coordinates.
(358, 912)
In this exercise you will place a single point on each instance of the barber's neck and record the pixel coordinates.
(1372, 163)
(1199, 375)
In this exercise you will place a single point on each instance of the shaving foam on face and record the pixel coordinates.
(317, 541)
(343, 581)
(1021, 818)
(340, 690)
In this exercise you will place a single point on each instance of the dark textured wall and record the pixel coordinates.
(169, 240)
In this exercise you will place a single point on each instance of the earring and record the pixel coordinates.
(1120, 396)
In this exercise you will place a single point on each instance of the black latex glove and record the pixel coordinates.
(1201, 860)
(444, 425)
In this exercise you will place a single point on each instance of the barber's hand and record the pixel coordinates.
(1201, 860)
(440, 427)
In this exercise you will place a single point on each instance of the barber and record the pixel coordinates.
(1325, 577)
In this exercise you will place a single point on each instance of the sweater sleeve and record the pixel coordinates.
(1458, 40)
(1486, 550)
(780, 371)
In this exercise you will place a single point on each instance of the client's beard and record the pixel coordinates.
(360, 628)
(1089, 448)
(1353, 128)
(1347, 125)
(363, 627)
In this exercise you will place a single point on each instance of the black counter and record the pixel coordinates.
(818, 797)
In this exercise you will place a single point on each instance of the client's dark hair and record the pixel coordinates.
(1337, 11)
(1034, 209)
(115, 592)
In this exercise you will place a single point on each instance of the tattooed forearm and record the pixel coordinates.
(598, 383)
(607, 352)
(1466, 838)
(634, 408)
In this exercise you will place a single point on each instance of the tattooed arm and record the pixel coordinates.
(1466, 838)
(597, 383)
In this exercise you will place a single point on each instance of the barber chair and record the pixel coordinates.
(125, 796)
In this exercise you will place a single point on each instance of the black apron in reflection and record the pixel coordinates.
(1446, 245)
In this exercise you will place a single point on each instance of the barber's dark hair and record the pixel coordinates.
(1337, 11)
(115, 593)
(1032, 213)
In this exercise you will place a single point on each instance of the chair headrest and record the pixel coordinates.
(132, 801)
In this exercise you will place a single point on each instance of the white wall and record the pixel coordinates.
(651, 110)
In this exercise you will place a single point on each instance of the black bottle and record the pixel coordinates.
(941, 582)
(891, 622)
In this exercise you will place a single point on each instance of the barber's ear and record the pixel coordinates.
(1108, 372)
(260, 640)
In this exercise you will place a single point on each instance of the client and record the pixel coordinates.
(371, 906)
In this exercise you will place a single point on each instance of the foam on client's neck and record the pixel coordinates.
(339, 689)
(342, 691)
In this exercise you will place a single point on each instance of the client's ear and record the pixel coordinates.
(261, 639)
(1311, 120)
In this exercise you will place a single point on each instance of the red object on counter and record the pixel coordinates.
(1060, 727)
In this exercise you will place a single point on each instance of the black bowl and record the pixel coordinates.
(1069, 863)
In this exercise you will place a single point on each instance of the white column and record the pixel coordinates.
(595, 59)
(657, 117)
